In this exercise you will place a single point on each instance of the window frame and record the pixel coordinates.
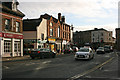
(17, 27)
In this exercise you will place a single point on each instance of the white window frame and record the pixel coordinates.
(51, 32)
(58, 31)
(7, 23)
(17, 26)
(7, 46)
(51, 24)
(17, 46)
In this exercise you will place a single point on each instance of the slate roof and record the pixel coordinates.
(93, 30)
(7, 7)
(31, 24)
(47, 16)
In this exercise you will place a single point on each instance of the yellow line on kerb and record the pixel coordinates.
(91, 70)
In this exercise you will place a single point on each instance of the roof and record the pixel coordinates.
(6, 7)
(47, 16)
(92, 30)
(31, 24)
(117, 28)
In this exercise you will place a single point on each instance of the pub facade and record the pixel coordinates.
(11, 37)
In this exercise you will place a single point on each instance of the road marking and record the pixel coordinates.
(45, 62)
(91, 70)
(38, 68)
(6, 67)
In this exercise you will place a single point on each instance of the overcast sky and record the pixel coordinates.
(83, 14)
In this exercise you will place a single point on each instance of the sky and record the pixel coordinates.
(83, 14)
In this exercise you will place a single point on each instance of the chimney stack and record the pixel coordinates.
(63, 19)
(59, 16)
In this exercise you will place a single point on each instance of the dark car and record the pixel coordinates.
(67, 51)
(42, 53)
(107, 49)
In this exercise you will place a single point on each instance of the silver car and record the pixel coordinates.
(100, 50)
(84, 53)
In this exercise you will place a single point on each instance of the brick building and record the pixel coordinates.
(96, 37)
(118, 38)
(82, 37)
(11, 37)
(56, 32)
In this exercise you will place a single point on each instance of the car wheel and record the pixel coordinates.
(32, 57)
(76, 59)
(53, 56)
(42, 56)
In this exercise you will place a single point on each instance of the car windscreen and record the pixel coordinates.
(44, 50)
(83, 50)
(107, 47)
(100, 48)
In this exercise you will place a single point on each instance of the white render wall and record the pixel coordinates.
(42, 28)
(105, 36)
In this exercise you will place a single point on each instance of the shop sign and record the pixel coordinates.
(49, 39)
(44, 41)
(64, 42)
(0, 34)
(8, 35)
(18, 36)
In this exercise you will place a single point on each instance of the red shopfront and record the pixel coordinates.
(11, 44)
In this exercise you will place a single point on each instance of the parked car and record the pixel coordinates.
(84, 53)
(42, 53)
(100, 50)
(107, 48)
(68, 50)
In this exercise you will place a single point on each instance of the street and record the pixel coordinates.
(63, 67)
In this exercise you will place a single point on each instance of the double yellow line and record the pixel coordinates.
(91, 70)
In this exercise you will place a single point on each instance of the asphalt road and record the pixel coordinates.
(64, 67)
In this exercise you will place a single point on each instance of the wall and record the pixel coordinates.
(42, 28)
(30, 34)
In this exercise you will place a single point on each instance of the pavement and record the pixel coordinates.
(4, 59)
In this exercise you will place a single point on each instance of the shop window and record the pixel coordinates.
(7, 24)
(7, 46)
(17, 26)
(17, 47)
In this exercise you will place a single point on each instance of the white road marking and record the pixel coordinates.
(45, 62)
(38, 68)
(6, 67)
